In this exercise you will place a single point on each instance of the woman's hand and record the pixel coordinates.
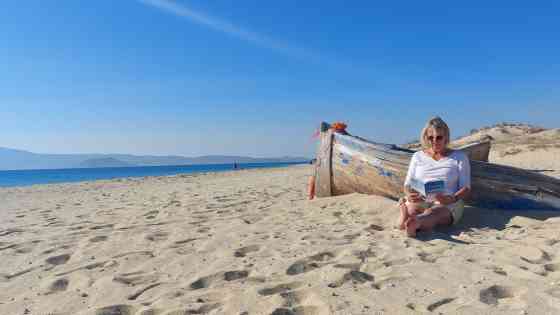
(445, 199)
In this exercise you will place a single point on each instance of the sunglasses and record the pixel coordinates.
(437, 138)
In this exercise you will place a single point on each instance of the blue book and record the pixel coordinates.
(428, 187)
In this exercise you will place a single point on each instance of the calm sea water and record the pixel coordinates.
(31, 177)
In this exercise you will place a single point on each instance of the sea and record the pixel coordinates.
(52, 176)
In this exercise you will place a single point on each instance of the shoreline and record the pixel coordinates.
(146, 176)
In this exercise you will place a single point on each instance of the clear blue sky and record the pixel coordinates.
(256, 77)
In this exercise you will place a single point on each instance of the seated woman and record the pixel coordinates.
(436, 162)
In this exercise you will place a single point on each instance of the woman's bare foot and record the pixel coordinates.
(404, 216)
(411, 226)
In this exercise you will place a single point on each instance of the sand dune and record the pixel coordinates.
(248, 242)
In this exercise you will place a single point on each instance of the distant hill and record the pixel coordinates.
(104, 162)
(508, 139)
(502, 133)
(12, 159)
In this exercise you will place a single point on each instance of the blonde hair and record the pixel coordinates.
(438, 124)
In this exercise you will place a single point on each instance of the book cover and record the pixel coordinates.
(428, 187)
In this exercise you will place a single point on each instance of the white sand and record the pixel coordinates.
(247, 242)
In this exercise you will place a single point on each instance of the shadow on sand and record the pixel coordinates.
(482, 218)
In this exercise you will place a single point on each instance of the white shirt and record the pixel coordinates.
(454, 170)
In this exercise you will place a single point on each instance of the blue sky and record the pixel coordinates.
(256, 78)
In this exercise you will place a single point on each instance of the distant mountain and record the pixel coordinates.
(12, 159)
(104, 162)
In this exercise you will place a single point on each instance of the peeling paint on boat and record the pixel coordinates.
(383, 172)
(347, 151)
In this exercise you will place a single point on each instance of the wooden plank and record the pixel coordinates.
(477, 151)
(323, 177)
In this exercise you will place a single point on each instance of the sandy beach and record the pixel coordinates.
(248, 242)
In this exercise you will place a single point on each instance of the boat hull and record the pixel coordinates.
(348, 164)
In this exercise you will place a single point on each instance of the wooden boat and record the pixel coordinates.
(347, 164)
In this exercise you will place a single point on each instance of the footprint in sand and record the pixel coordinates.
(363, 255)
(58, 286)
(553, 267)
(157, 236)
(182, 243)
(49, 251)
(427, 257)
(102, 226)
(151, 214)
(235, 275)
(497, 270)
(120, 309)
(310, 263)
(284, 287)
(58, 260)
(502, 295)
(100, 238)
(77, 228)
(243, 251)
(206, 282)
(372, 228)
(203, 230)
(355, 276)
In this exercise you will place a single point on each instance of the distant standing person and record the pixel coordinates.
(435, 162)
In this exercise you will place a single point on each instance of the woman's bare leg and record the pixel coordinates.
(427, 220)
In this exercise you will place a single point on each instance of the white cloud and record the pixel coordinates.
(226, 27)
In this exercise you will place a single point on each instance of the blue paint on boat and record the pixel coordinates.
(383, 172)
(344, 158)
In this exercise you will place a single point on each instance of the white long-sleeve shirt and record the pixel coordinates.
(454, 170)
